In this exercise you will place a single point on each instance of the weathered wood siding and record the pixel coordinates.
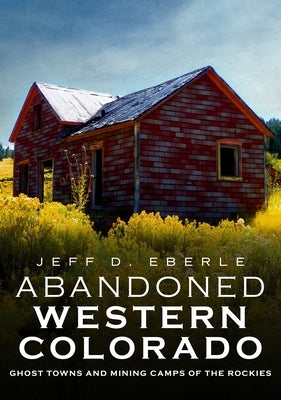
(36, 146)
(179, 156)
(118, 159)
(118, 166)
(178, 166)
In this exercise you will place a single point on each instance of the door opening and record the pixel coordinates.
(24, 169)
(46, 171)
(98, 178)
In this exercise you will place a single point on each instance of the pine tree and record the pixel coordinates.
(274, 145)
(2, 152)
(8, 153)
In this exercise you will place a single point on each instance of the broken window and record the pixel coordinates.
(229, 160)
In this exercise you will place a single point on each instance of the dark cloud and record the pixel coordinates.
(121, 46)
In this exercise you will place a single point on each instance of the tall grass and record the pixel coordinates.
(6, 177)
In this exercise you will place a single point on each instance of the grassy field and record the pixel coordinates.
(6, 177)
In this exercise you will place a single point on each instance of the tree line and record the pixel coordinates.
(274, 144)
(6, 152)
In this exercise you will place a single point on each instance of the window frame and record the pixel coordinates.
(237, 147)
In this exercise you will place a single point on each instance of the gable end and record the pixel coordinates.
(23, 113)
(239, 103)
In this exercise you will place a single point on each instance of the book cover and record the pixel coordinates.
(140, 254)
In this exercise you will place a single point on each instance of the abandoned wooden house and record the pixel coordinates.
(189, 146)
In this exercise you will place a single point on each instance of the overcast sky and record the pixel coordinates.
(121, 46)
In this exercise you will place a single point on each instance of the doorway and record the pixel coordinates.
(24, 171)
(97, 192)
(46, 181)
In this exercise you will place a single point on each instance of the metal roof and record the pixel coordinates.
(73, 105)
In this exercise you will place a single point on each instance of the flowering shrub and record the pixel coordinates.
(80, 176)
(171, 236)
(259, 243)
(30, 230)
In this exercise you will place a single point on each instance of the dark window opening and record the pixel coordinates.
(24, 168)
(98, 178)
(229, 161)
(37, 118)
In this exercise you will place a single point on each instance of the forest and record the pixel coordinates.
(274, 144)
(5, 152)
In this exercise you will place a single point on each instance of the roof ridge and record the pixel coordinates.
(167, 82)
(134, 105)
(66, 88)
